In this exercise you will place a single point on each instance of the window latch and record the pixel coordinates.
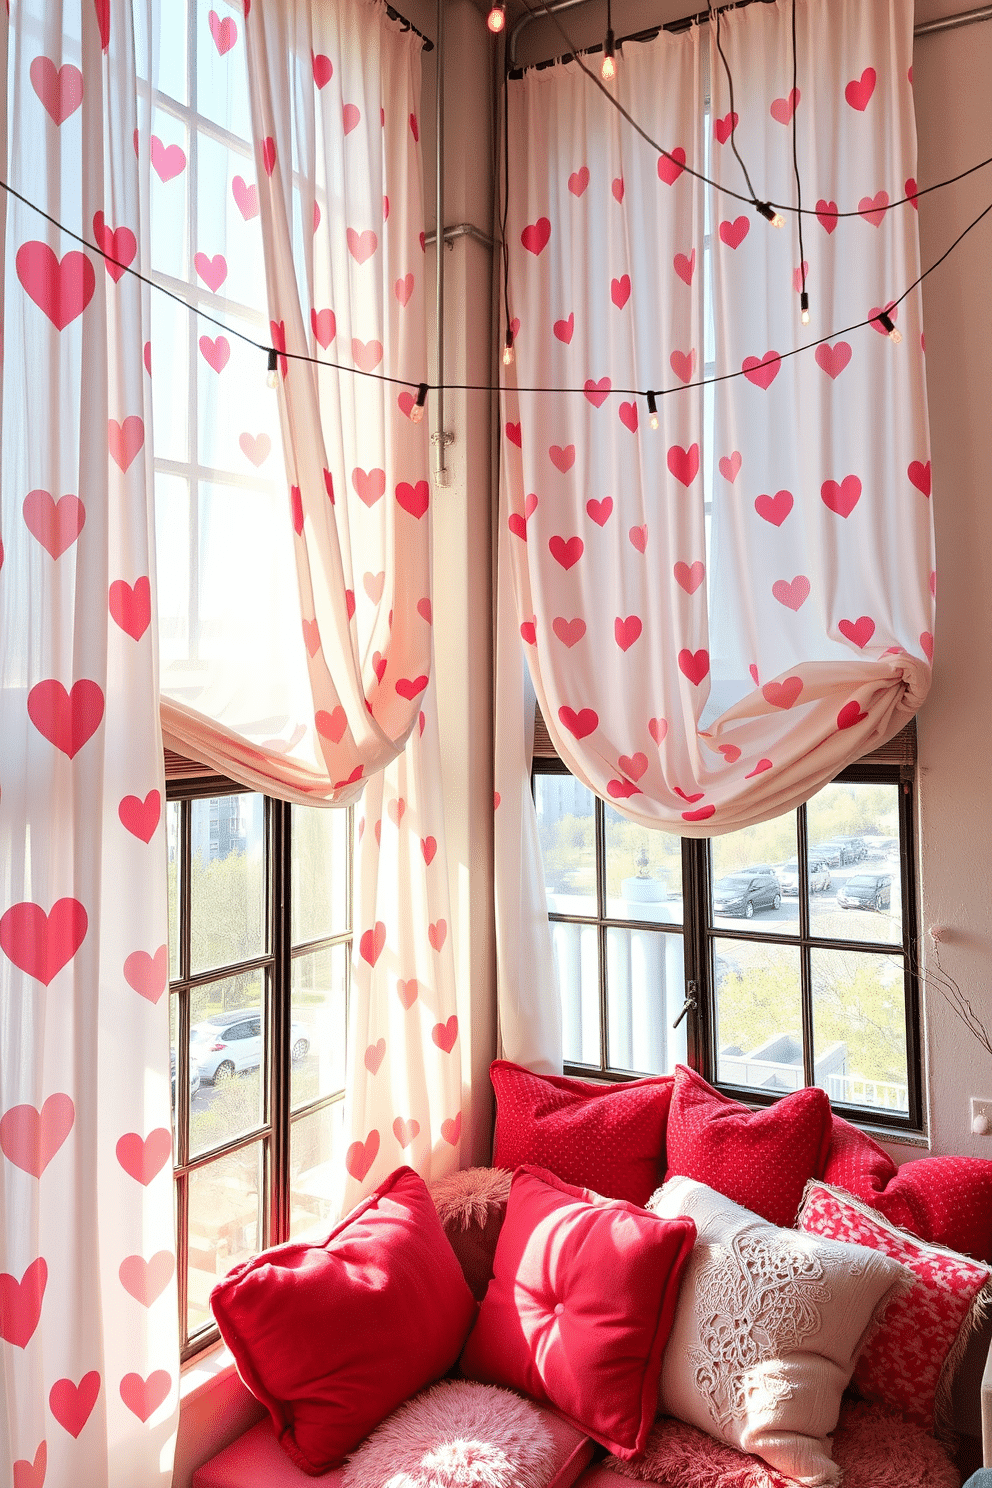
(690, 1004)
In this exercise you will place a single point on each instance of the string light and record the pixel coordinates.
(496, 18)
(272, 376)
(803, 296)
(804, 308)
(508, 349)
(609, 68)
(889, 327)
(652, 410)
(769, 213)
(417, 411)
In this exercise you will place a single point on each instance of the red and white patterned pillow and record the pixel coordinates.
(908, 1361)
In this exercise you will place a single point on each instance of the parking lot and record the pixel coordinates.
(828, 919)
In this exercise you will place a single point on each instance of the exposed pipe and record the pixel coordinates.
(461, 230)
(439, 438)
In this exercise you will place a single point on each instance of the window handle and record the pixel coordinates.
(689, 1005)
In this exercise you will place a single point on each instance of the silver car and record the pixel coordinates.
(819, 877)
(226, 1046)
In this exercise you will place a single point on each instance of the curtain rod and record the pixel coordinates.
(396, 15)
(925, 28)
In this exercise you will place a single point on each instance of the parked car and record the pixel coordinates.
(866, 891)
(225, 1046)
(835, 853)
(743, 893)
(194, 1075)
(819, 876)
(857, 848)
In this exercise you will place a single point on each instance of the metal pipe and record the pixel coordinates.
(461, 230)
(438, 437)
(952, 22)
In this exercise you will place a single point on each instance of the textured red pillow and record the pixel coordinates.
(581, 1305)
(610, 1138)
(760, 1159)
(947, 1200)
(331, 1337)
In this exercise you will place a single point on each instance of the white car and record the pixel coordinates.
(225, 1045)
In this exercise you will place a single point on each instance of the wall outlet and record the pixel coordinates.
(981, 1117)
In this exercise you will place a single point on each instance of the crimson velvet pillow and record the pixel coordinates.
(610, 1138)
(580, 1306)
(331, 1337)
(761, 1159)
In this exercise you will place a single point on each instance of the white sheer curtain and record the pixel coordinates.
(717, 616)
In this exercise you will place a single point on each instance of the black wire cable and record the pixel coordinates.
(504, 245)
(733, 116)
(804, 300)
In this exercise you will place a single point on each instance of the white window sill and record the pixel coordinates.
(205, 1371)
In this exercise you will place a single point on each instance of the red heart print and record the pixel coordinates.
(628, 416)
(658, 729)
(617, 188)
(926, 642)
(858, 92)
(444, 1034)
(919, 476)
(698, 796)
(408, 992)
(66, 719)
(424, 611)
(633, 765)
(689, 577)
(569, 632)
(536, 235)
(684, 463)
(323, 69)
(125, 440)
(145, 1280)
(378, 831)
(370, 485)
(782, 109)
(414, 127)
(800, 277)
(245, 197)
(626, 631)
(311, 637)
(296, 507)
(933, 583)
(20, 1303)
(269, 155)
(850, 714)
(316, 214)
(842, 498)
(621, 790)
(256, 448)
(562, 459)
(102, 9)
(872, 208)
(411, 687)
(600, 511)
(517, 525)
(39, 944)
(911, 189)
(224, 32)
(131, 606)
(793, 595)
(762, 371)
(61, 288)
(683, 364)
(361, 1155)
(567, 553)
(403, 289)
(514, 325)
(423, 248)
(372, 943)
(826, 214)
(405, 1131)
(782, 694)
(406, 403)
(349, 599)
(730, 466)
(734, 233)
(730, 753)
(578, 181)
(351, 117)
(671, 165)
(775, 508)
(30, 1138)
(168, 161)
(724, 128)
(213, 271)
(513, 435)
(56, 524)
(32, 1474)
(374, 1055)
(891, 309)
(581, 724)
(144, 1396)
(859, 631)
(362, 245)
(451, 1130)
(428, 846)
(148, 357)
(59, 88)
(685, 267)
(694, 664)
(143, 1158)
(639, 537)
(215, 352)
(597, 392)
(620, 291)
(414, 499)
(833, 359)
(759, 769)
(397, 810)
(331, 725)
(146, 974)
(702, 813)
(71, 1404)
(436, 934)
(528, 632)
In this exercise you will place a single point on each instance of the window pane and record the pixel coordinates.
(854, 831)
(859, 1021)
(746, 883)
(645, 988)
(320, 1023)
(759, 1016)
(172, 840)
(172, 566)
(227, 1043)
(228, 880)
(643, 872)
(566, 822)
(315, 1140)
(174, 1069)
(169, 197)
(320, 873)
(170, 51)
(225, 1224)
(576, 949)
(170, 383)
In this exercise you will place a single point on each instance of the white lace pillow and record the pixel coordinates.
(767, 1330)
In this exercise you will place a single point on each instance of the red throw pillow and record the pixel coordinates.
(947, 1200)
(331, 1337)
(610, 1138)
(581, 1305)
(760, 1159)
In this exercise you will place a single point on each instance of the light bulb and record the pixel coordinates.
(889, 326)
(769, 213)
(804, 308)
(496, 19)
(778, 220)
(652, 410)
(272, 375)
(895, 335)
(508, 349)
(417, 411)
(608, 70)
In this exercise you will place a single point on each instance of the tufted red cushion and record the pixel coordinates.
(331, 1337)
(581, 1305)
(947, 1200)
(760, 1159)
(610, 1138)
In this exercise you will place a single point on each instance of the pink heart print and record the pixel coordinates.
(734, 233)
(362, 245)
(793, 595)
(408, 992)
(324, 326)
(451, 1129)
(131, 606)
(30, 1138)
(671, 165)
(331, 725)
(536, 236)
(59, 88)
(406, 1131)
(850, 714)
(597, 392)
(689, 576)
(323, 69)
(684, 463)
(61, 288)
(782, 109)
(841, 498)
(414, 499)
(66, 719)
(919, 475)
(563, 329)
(55, 524)
(168, 161)
(826, 214)
(783, 694)
(762, 371)
(144, 1396)
(444, 1034)
(245, 197)
(685, 267)
(694, 664)
(774, 509)
(859, 90)
(620, 291)
(723, 128)
(569, 632)
(372, 943)
(361, 1155)
(31, 1474)
(873, 208)
(600, 511)
(626, 631)
(833, 359)
(374, 1055)
(148, 974)
(146, 1280)
(578, 181)
(351, 117)
(437, 934)
(683, 364)
(566, 552)
(859, 631)
(224, 32)
(581, 724)
(72, 1404)
(730, 466)
(125, 440)
(213, 271)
